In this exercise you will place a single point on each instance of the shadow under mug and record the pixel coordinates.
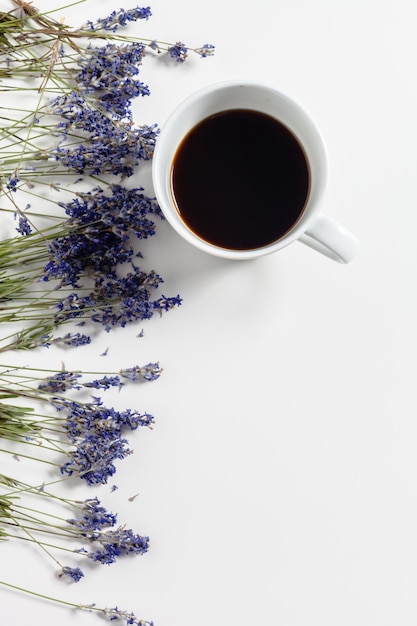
(314, 229)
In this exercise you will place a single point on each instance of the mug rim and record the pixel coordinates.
(160, 177)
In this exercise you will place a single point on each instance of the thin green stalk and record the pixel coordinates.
(87, 607)
(44, 543)
(43, 547)
(40, 530)
(20, 487)
(26, 456)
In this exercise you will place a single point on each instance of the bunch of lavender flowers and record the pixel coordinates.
(82, 126)
(92, 533)
(90, 438)
(74, 269)
(68, 534)
(86, 91)
(74, 260)
(86, 434)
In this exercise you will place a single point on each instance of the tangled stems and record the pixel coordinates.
(102, 28)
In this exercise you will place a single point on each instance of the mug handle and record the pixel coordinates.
(331, 239)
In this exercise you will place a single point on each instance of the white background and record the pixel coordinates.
(279, 485)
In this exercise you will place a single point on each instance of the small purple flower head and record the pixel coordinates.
(165, 304)
(13, 181)
(115, 543)
(24, 227)
(105, 383)
(99, 227)
(149, 372)
(94, 517)
(93, 459)
(206, 50)
(116, 614)
(60, 382)
(120, 18)
(73, 340)
(96, 433)
(133, 419)
(73, 572)
(178, 52)
(154, 46)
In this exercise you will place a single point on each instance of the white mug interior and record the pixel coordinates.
(238, 95)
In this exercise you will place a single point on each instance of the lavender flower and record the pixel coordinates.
(93, 458)
(206, 50)
(108, 71)
(106, 141)
(24, 228)
(72, 339)
(73, 572)
(178, 52)
(165, 304)
(119, 18)
(97, 435)
(99, 227)
(151, 371)
(117, 152)
(118, 614)
(116, 543)
(116, 302)
(60, 383)
(94, 517)
(13, 181)
(105, 383)
(133, 419)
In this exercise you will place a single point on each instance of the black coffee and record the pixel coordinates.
(240, 179)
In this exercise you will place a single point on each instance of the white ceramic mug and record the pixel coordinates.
(314, 229)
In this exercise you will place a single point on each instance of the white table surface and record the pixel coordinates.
(279, 485)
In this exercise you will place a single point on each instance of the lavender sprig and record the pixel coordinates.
(92, 531)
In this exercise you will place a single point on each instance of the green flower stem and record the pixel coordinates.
(27, 529)
(27, 456)
(44, 543)
(13, 369)
(50, 515)
(52, 599)
(20, 487)
(42, 546)
(108, 613)
(30, 338)
(44, 447)
(18, 413)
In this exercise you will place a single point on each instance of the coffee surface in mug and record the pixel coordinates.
(240, 179)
